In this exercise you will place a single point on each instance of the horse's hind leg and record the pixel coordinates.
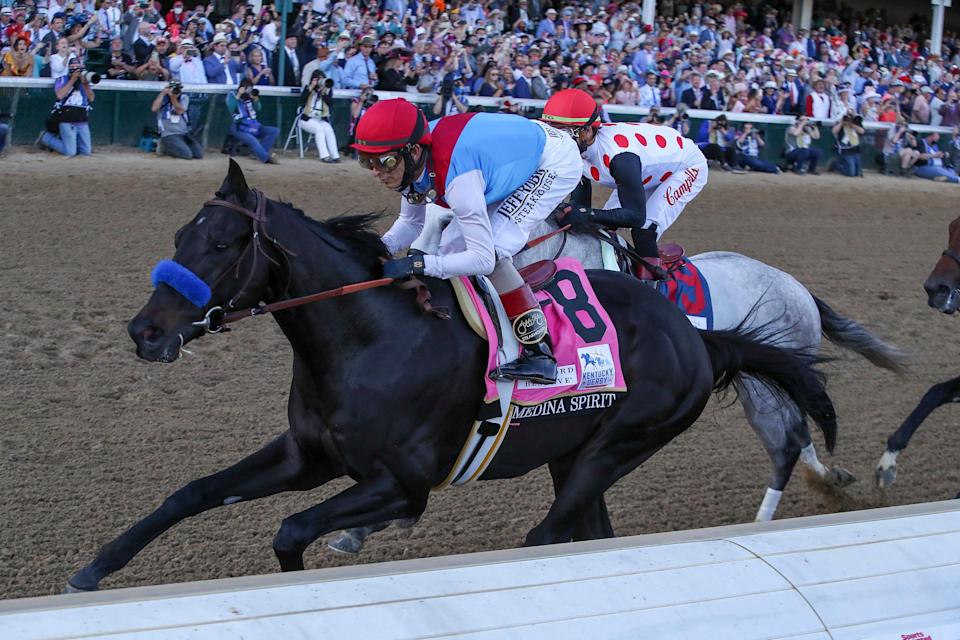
(279, 466)
(785, 435)
(594, 521)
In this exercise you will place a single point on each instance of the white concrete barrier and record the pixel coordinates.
(884, 574)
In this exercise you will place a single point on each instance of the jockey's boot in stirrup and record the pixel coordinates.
(536, 362)
(645, 244)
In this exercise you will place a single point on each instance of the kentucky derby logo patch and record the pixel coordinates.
(597, 366)
(688, 289)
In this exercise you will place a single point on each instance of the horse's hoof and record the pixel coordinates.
(70, 588)
(886, 476)
(80, 582)
(346, 543)
(405, 523)
(840, 477)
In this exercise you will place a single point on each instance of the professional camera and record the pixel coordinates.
(92, 77)
(175, 87)
(446, 88)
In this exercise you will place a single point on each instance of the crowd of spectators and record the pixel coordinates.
(742, 57)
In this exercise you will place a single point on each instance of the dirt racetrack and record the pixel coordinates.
(91, 439)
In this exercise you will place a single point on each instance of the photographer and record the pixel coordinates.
(932, 165)
(4, 130)
(452, 99)
(243, 106)
(797, 145)
(173, 121)
(679, 121)
(358, 107)
(317, 104)
(847, 133)
(69, 115)
(750, 142)
(716, 142)
(900, 150)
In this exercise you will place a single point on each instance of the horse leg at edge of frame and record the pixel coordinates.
(277, 467)
(594, 522)
(373, 500)
(937, 395)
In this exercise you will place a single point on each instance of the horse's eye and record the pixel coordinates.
(222, 246)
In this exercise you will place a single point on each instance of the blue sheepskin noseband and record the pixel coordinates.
(183, 281)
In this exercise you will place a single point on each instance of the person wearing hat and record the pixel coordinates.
(217, 65)
(244, 107)
(920, 111)
(655, 173)
(360, 71)
(293, 63)
(548, 26)
(501, 176)
(798, 148)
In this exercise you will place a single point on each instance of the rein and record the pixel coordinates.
(216, 318)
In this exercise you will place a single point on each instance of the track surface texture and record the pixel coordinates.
(91, 438)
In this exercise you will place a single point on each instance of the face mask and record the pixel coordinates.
(177, 11)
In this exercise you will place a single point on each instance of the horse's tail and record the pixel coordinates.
(851, 335)
(784, 370)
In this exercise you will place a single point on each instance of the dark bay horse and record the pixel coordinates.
(387, 396)
(943, 294)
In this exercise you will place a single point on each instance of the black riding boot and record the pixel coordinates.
(536, 362)
(645, 244)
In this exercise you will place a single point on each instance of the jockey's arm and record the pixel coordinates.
(406, 228)
(466, 197)
(582, 196)
(627, 171)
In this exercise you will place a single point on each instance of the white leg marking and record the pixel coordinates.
(888, 460)
(232, 499)
(808, 455)
(771, 500)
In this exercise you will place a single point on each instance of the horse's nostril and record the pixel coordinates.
(152, 335)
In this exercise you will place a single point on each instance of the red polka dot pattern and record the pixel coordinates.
(641, 139)
(621, 140)
(661, 142)
(595, 173)
(665, 176)
(680, 141)
(647, 179)
(606, 161)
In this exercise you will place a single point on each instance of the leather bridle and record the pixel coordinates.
(953, 256)
(216, 318)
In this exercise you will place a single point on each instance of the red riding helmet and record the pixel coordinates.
(571, 108)
(389, 125)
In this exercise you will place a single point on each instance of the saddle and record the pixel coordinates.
(671, 258)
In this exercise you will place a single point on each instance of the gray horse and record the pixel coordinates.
(744, 292)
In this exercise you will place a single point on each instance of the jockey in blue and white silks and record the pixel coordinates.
(500, 175)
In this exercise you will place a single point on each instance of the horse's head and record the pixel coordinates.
(943, 283)
(219, 262)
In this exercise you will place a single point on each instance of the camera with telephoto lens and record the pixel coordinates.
(175, 87)
(446, 88)
(92, 77)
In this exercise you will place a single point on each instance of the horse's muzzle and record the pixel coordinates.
(156, 344)
(943, 298)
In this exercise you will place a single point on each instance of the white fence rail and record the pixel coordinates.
(882, 574)
(429, 99)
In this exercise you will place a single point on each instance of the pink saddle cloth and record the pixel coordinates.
(584, 340)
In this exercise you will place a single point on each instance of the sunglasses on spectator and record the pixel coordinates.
(386, 161)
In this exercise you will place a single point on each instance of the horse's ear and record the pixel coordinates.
(235, 183)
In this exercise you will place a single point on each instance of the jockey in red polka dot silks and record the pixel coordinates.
(653, 171)
(500, 175)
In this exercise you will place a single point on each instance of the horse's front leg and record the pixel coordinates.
(374, 500)
(937, 395)
(279, 466)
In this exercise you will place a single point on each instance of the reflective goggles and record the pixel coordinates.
(386, 161)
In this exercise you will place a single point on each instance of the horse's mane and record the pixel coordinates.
(356, 231)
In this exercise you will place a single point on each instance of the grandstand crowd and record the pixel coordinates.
(744, 57)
